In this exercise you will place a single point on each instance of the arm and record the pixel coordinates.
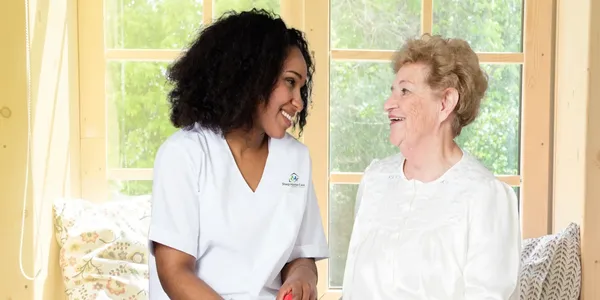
(303, 269)
(175, 223)
(176, 271)
(492, 267)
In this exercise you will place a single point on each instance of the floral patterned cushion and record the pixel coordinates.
(103, 248)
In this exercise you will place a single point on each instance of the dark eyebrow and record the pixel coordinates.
(295, 73)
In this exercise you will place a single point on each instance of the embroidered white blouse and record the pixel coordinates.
(455, 238)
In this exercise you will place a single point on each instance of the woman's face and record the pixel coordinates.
(285, 101)
(416, 111)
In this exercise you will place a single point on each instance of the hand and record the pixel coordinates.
(300, 290)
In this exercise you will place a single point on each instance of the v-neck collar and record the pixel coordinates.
(239, 175)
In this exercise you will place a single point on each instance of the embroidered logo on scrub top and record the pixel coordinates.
(293, 181)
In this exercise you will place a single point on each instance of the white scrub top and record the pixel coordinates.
(456, 238)
(241, 239)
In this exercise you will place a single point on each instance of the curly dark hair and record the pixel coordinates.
(231, 68)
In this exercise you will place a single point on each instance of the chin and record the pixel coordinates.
(276, 134)
(395, 141)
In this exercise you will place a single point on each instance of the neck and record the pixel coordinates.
(251, 141)
(431, 158)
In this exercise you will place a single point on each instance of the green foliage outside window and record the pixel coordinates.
(138, 112)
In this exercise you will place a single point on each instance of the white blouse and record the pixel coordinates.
(455, 238)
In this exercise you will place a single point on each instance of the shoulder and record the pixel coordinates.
(184, 147)
(484, 188)
(471, 171)
(289, 148)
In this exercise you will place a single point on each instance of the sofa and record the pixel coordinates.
(104, 254)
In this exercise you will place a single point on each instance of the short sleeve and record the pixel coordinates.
(311, 241)
(175, 208)
(494, 244)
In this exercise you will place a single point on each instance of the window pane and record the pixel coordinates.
(494, 137)
(373, 24)
(341, 220)
(359, 127)
(151, 24)
(122, 190)
(138, 113)
(490, 26)
(222, 6)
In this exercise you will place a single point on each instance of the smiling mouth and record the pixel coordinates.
(287, 116)
(400, 119)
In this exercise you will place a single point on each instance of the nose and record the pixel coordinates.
(389, 104)
(298, 102)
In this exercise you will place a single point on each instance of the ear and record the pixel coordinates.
(449, 101)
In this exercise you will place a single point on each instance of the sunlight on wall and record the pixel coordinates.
(12, 148)
(54, 126)
(570, 105)
(54, 90)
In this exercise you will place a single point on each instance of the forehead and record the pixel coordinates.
(295, 62)
(412, 72)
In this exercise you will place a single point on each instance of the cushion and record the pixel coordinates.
(103, 248)
(551, 266)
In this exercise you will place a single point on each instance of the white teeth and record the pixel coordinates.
(286, 115)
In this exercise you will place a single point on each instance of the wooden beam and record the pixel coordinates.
(426, 16)
(387, 55)
(536, 118)
(92, 106)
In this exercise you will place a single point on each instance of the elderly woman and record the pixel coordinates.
(432, 222)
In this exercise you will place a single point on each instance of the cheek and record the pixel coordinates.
(267, 114)
(420, 117)
(278, 98)
(414, 112)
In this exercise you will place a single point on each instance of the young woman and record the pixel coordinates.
(234, 212)
(432, 221)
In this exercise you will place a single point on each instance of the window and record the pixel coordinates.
(124, 111)
(125, 46)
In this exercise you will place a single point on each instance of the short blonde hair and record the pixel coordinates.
(452, 64)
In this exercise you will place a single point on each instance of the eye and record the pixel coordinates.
(404, 91)
(291, 81)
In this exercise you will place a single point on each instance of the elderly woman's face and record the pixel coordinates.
(414, 109)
